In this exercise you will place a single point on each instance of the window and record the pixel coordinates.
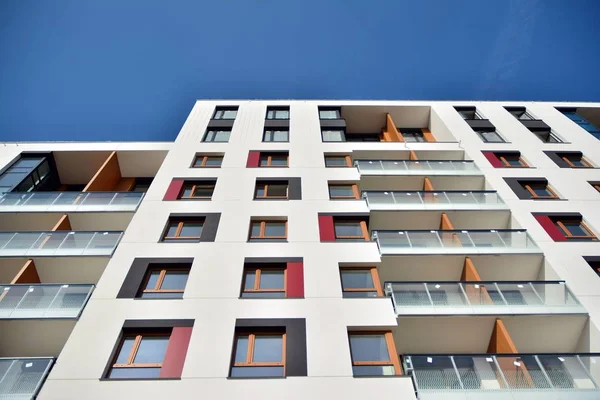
(140, 356)
(596, 185)
(329, 113)
(278, 113)
(548, 137)
(574, 229)
(183, 229)
(575, 160)
(217, 136)
(594, 263)
(205, 161)
(490, 136)
(225, 113)
(520, 113)
(336, 135)
(512, 160)
(343, 191)
(360, 282)
(373, 354)
(271, 190)
(264, 282)
(468, 113)
(351, 230)
(539, 190)
(142, 184)
(268, 229)
(412, 135)
(276, 136)
(26, 175)
(164, 282)
(198, 190)
(273, 160)
(259, 355)
(338, 161)
(582, 122)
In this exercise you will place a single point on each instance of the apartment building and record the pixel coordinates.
(309, 249)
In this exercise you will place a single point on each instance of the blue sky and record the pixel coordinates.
(131, 69)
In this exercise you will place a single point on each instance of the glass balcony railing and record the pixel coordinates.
(550, 376)
(482, 297)
(22, 378)
(455, 241)
(409, 167)
(43, 301)
(70, 201)
(442, 200)
(58, 243)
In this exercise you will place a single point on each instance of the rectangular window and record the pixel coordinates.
(183, 229)
(490, 136)
(373, 354)
(206, 161)
(198, 190)
(140, 356)
(225, 113)
(217, 136)
(575, 229)
(575, 160)
(512, 160)
(259, 355)
(329, 113)
(164, 282)
(520, 113)
(333, 135)
(264, 282)
(276, 136)
(548, 137)
(343, 191)
(468, 113)
(338, 161)
(539, 190)
(268, 229)
(360, 282)
(582, 122)
(273, 160)
(412, 135)
(351, 230)
(278, 113)
(271, 190)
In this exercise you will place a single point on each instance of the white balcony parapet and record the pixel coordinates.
(477, 298)
(58, 243)
(22, 378)
(421, 167)
(434, 200)
(454, 241)
(43, 301)
(513, 376)
(70, 201)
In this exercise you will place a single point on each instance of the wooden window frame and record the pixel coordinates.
(269, 157)
(534, 195)
(569, 235)
(363, 228)
(374, 275)
(257, 275)
(160, 280)
(346, 157)
(582, 160)
(391, 347)
(509, 165)
(134, 350)
(355, 193)
(250, 354)
(180, 224)
(263, 225)
(204, 159)
(266, 190)
(196, 186)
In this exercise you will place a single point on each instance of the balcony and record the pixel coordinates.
(501, 376)
(454, 241)
(421, 167)
(70, 201)
(22, 378)
(58, 243)
(482, 298)
(428, 200)
(43, 301)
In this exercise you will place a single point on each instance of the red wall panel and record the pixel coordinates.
(176, 352)
(174, 189)
(326, 229)
(550, 228)
(496, 163)
(295, 279)
(253, 159)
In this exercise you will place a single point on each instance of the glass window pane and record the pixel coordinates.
(271, 279)
(175, 280)
(210, 135)
(152, 279)
(279, 161)
(255, 229)
(204, 191)
(229, 114)
(260, 191)
(161, 295)
(357, 279)
(221, 136)
(213, 161)
(241, 349)
(348, 229)
(152, 350)
(277, 190)
(172, 229)
(341, 191)
(128, 373)
(575, 228)
(373, 370)
(492, 137)
(268, 349)
(264, 161)
(270, 114)
(256, 372)
(27, 162)
(191, 229)
(333, 136)
(334, 161)
(540, 190)
(354, 295)
(275, 229)
(329, 114)
(125, 350)
(249, 280)
(282, 114)
(369, 348)
(187, 191)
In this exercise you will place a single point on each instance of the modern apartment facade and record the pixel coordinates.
(309, 249)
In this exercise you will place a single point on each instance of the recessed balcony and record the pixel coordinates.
(43, 300)
(58, 243)
(22, 378)
(434, 200)
(420, 167)
(70, 201)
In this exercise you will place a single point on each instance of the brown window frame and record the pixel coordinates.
(355, 193)
(346, 157)
(534, 195)
(596, 186)
(266, 190)
(257, 275)
(269, 157)
(566, 233)
(180, 224)
(204, 159)
(263, 225)
(250, 354)
(391, 347)
(196, 186)
(160, 280)
(509, 165)
(134, 349)
(363, 228)
(374, 275)
(583, 160)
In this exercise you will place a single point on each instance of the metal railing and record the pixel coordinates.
(526, 296)
(70, 201)
(505, 372)
(22, 378)
(447, 199)
(410, 167)
(43, 300)
(454, 241)
(58, 243)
